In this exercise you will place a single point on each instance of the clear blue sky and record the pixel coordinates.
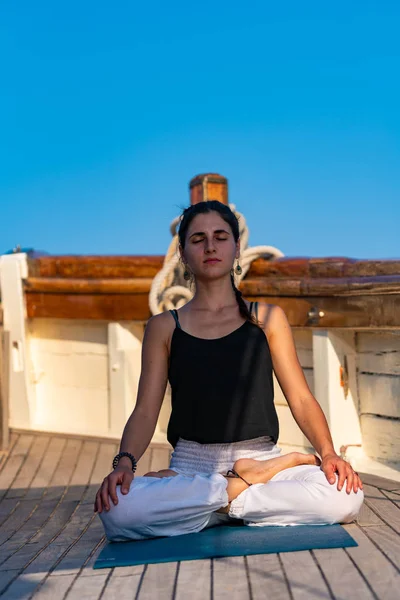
(108, 109)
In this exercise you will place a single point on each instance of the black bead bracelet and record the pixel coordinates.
(122, 454)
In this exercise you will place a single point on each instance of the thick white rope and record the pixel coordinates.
(170, 290)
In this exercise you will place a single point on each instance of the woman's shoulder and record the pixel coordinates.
(160, 326)
(272, 317)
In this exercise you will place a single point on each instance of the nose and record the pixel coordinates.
(210, 245)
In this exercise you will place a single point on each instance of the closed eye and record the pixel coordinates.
(219, 239)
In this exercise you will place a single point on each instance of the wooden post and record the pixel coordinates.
(21, 391)
(208, 186)
(4, 387)
(335, 384)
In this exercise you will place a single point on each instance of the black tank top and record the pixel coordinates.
(222, 389)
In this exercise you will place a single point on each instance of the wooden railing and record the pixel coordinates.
(314, 292)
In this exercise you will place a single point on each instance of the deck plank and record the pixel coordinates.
(367, 517)
(48, 545)
(87, 569)
(393, 496)
(341, 574)
(54, 587)
(158, 581)
(380, 482)
(304, 577)
(382, 506)
(14, 463)
(80, 544)
(265, 573)
(89, 589)
(50, 463)
(229, 578)
(29, 499)
(387, 541)
(5, 453)
(84, 467)
(123, 583)
(31, 465)
(50, 506)
(194, 575)
(16, 519)
(103, 467)
(376, 570)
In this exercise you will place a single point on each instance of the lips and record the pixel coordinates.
(212, 260)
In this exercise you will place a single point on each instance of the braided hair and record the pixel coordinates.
(229, 217)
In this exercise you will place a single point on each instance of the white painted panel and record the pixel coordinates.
(279, 397)
(70, 369)
(386, 363)
(331, 349)
(303, 342)
(289, 432)
(79, 370)
(381, 437)
(382, 341)
(71, 410)
(125, 350)
(379, 395)
(68, 336)
(304, 347)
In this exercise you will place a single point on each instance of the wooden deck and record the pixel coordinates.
(50, 537)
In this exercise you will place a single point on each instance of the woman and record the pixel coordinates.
(219, 359)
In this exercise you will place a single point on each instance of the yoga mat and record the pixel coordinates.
(224, 540)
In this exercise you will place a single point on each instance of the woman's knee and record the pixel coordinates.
(349, 505)
(129, 518)
(338, 505)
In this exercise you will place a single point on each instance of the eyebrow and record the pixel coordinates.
(203, 233)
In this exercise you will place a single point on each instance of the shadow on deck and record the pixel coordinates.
(50, 538)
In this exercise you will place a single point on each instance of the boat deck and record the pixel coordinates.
(50, 538)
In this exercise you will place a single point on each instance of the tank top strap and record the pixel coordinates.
(174, 313)
(256, 309)
(254, 305)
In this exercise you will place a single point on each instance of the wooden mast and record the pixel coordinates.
(208, 186)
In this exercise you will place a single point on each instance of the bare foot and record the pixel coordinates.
(261, 471)
(161, 474)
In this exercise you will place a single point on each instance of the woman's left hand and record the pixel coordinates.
(332, 463)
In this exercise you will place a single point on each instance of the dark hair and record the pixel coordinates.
(229, 217)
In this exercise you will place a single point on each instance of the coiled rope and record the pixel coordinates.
(170, 290)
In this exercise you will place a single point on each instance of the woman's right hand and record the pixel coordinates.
(122, 476)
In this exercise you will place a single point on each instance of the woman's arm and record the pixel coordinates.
(141, 424)
(305, 409)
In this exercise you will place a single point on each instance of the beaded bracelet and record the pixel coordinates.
(122, 454)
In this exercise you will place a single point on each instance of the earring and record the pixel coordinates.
(186, 274)
(238, 269)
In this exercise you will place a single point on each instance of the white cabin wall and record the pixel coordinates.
(69, 369)
(378, 357)
(85, 375)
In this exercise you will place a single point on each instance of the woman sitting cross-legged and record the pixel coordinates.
(219, 353)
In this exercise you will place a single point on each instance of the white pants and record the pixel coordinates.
(187, 502)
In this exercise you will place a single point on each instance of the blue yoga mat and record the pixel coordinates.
(224, 540)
